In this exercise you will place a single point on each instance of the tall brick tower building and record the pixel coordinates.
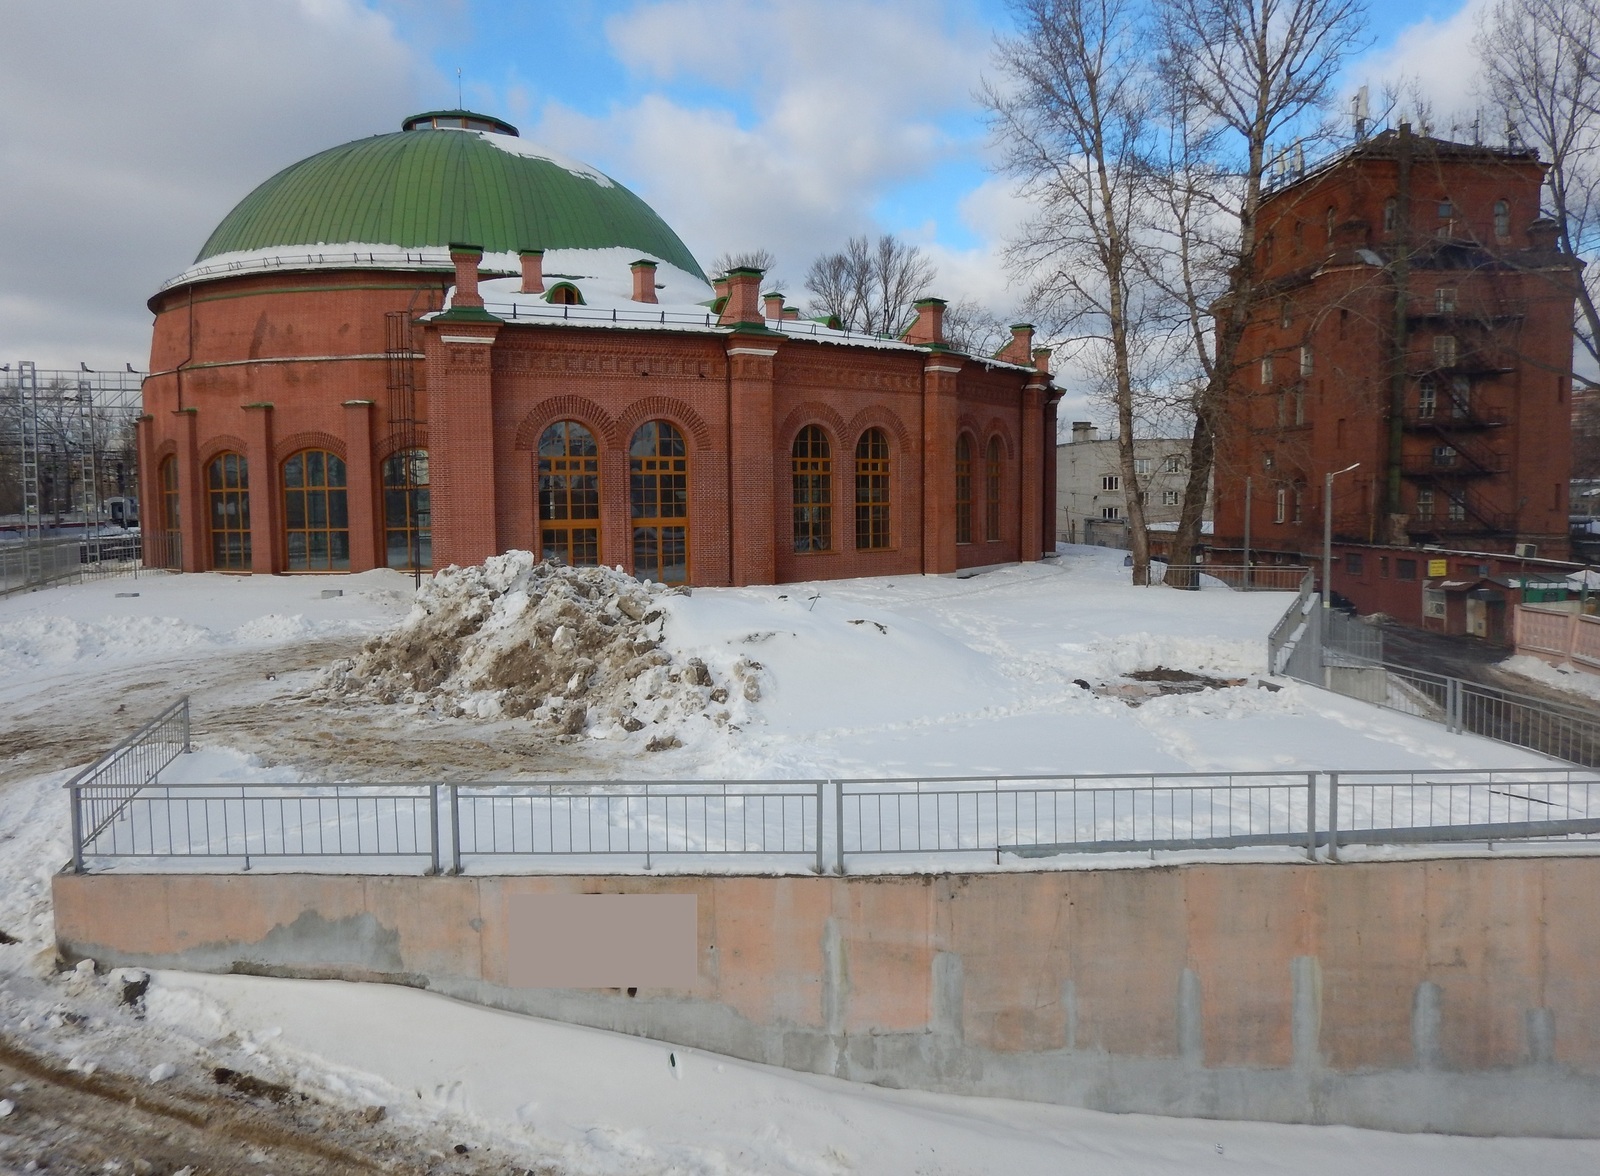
(1417, 321)
(432, 346)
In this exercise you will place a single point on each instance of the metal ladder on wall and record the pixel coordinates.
(88, 471)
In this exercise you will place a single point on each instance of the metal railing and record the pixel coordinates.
(1035, 816)
(1239, 577)
(28, 564)
(101, 792)
(649, 819)
(1442, 805)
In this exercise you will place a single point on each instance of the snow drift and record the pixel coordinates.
(573, 649)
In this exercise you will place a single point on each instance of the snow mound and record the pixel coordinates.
(574, 649)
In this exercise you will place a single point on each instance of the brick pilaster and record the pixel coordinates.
(939, 375)
(751, 362)
(461, 440)
(1033, 480)
(362, 489)
(265, 506)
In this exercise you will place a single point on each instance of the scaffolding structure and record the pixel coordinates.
(68, 471)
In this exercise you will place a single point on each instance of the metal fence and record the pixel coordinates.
(1239, 577)
(102, 792)
(1440, 805)
(1036, 816)
(26, 563)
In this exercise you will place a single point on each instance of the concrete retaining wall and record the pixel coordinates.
(1457, 995)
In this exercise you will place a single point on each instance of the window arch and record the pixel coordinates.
(564, 294)
(1502, 219)
(872, 491)
(991, 490)
(316, 519)
(963, 489)
(228, 507)
(811, 471)
(569, 495)
(658, 492)
(407, 511)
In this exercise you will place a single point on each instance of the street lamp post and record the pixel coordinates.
(1327, 533)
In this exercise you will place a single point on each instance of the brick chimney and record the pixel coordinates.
(466, 259)
(1083, 431)
(773, 303)
(928, 330)
(1019, 349)
(1543, 234)
(644, 280)
(791, 314)
(1041, 359)
(744, 297)
(532, 271)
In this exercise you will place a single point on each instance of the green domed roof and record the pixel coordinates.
(430, 187)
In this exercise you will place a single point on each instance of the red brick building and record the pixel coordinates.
(1417, 321)
(430, 347)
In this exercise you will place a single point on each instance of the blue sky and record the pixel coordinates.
(746, 123)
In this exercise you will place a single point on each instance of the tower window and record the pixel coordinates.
(1502, 219)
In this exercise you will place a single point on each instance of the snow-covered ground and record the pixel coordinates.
(899, 676)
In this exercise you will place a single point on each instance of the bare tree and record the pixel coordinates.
(762, 259)
(974, 329)
(870, 287)
(1074, 122)
(1241, 74)
(1541, 67)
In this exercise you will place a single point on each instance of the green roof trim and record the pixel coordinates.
(419, 189)
(466, 314)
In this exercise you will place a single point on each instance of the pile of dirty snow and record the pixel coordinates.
(578, 650)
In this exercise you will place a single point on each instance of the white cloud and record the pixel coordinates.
(847, 101)
(1437, 55)
(132, 129)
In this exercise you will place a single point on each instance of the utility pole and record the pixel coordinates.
(1327, 533)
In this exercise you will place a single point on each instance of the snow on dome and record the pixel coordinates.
(516, 145)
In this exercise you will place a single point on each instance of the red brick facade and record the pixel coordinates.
(1454, 398)
(271, 366)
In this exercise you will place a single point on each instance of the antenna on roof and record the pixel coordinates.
(1360, 113)
(460, 105)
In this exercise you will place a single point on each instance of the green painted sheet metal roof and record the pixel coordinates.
(432, 187)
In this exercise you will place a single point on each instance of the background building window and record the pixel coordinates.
(1443, 455)
(1425, 505)
(316, 519)
(1354, 564)
(1173, 465)
(407, 514)
(1111, 482)
(1405, 569)
(1444, 300)
(1266, 369)
(1427, 397)
(1460, 396)
(228, 494)
(991, 497)
(872, 491)
(569, 495)
(1111, 513)
(1391, 210)
(1141, 465)
(1305, 360)
(1280, 505)
(658, 496)
(1169, 498)
(1502, 219)
(1457, 510)
(1444, 350)
(963, 489)
(811, 471)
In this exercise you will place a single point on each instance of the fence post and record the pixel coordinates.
(838, 828)
(433, 828)
(77, 829)
(1311, 816)
(455, 828)
(186, 746)
(1453, 709)
(821, 869)
(1333, 816)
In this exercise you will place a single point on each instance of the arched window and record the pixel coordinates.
(1502, 219)
(658, 492)
(228, 500)
(171, 533)
(963, 489)
(872, 491)
(1329, 222)
(407, 513)
(811, 468)
(1391, 212)
(569, 495)
(564, 294)
(316, 519)
(991, 491)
